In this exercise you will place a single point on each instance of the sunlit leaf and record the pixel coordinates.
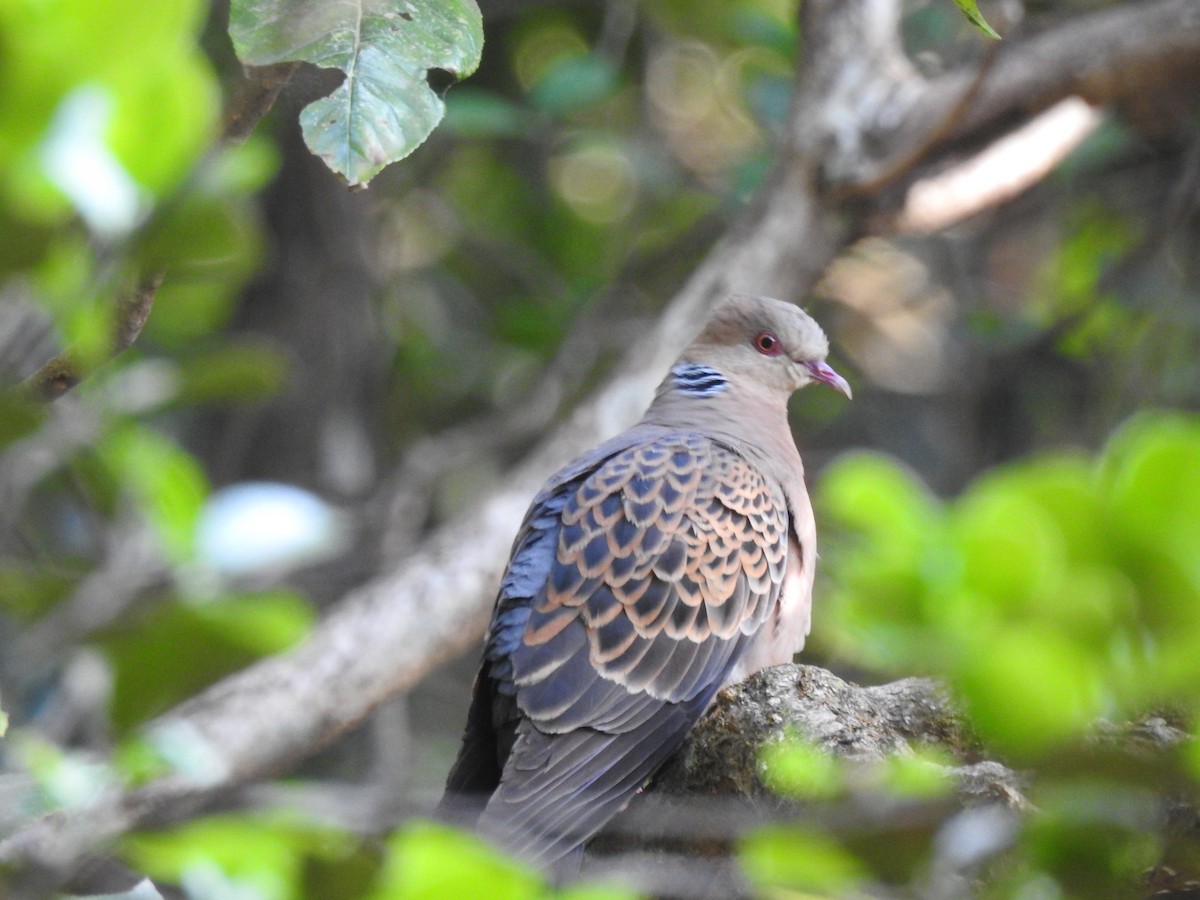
(799, 858)
(385, 108)
(1029, 689)
(427, 861)
(875, 495)
(228, 854)
(1013, 551)
(1065, 487)
(797, 768)
(159, 95)
(1152, 472)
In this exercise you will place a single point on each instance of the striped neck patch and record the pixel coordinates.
(703, 381)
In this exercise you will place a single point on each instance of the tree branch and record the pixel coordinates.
(1133, 55)
(65, 371)
(253, 99)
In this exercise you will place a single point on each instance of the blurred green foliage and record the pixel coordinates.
(178, 648)
(254, 856)
(159, 94)
(793, 861)
(427, 861)
(1051, 592)
(286, 858)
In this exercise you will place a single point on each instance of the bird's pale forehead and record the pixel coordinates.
(742, 317)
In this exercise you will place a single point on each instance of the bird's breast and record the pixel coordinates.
(782, 634)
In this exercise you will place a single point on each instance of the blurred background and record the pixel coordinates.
(328, 375)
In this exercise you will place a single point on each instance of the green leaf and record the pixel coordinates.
(258, 856)
(922, 775)
(799, 858)
(427, 861)
(994, 528)
(165, 479)
(1150, 472)
(385, 108)
(874, 494)
(179, 648)
(1030, 689)
(797, 768)
(971, 11)
(157, 98)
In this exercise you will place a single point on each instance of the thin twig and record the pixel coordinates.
(253, 99)
(66, 370)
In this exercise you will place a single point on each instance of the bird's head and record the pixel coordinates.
(762, 341)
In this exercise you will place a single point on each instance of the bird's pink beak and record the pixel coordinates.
(824, 373)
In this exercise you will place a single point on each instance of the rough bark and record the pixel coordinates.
(713, 791)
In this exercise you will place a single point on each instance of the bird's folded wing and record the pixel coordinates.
(667, 560)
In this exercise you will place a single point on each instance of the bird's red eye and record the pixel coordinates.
(767, 344)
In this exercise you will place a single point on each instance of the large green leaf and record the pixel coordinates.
(385, 108)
